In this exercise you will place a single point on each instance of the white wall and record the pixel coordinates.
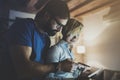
(102, 38)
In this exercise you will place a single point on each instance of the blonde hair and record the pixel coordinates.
(73, 26)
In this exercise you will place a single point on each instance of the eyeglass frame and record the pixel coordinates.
(58, 23)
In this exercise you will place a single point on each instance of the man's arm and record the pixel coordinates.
(28, 69)
(24, 66)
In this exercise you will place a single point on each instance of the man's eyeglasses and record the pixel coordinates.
(59, 25)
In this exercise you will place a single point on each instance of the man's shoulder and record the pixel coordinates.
(24, 20)
(23, 23)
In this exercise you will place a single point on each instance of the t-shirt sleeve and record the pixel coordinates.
(21, 34)
(53, 54)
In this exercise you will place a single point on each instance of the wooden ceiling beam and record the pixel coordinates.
(73, 3)
(101, 7)
(36, 5)
(80, 5)
(88, 6)
(67, 1)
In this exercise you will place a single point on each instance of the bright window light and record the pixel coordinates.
(80, 49)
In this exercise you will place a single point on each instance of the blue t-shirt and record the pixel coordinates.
(23, 32)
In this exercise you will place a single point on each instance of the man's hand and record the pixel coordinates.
(66, 65)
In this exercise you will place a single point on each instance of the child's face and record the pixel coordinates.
(72, 38)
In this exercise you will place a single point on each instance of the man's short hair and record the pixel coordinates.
(56, 8)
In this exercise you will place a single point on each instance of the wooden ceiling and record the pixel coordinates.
(80, 8)
(77, 8)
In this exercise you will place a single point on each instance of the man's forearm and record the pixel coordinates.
(36, 70)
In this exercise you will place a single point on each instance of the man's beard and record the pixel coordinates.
(49, 30)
